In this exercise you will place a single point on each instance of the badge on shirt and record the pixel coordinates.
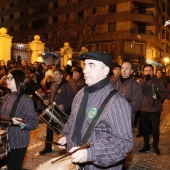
(92, 113)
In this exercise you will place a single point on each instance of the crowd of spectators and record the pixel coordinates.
(40, 78)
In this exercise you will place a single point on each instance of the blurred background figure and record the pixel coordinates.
(77, 81)
(32, 87)
(24, 67)
(37, 69)
(116, 71)
(46, 84)
(3, 68)
(11, 65)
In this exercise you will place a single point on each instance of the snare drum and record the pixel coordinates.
(64, 164)
(54, 117)
(4, 145)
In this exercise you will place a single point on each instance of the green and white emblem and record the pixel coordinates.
(92, 113)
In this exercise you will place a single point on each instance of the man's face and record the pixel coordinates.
(116, 72)
(57, 76)
(158, 74)
(94, 71)
(126, 70)
(76, 75)
(35, 65)
(24, 62)
(148, 70)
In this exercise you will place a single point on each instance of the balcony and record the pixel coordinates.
(141, 11)
(141, 31)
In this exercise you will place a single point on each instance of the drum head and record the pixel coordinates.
(64, 164)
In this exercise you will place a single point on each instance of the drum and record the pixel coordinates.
(54, 117)
(4, 145)
(64, 164)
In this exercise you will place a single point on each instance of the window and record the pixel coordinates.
(94, 11)
(23, 26)
(163, 46)
(112, 8)
(134, 48)
(55, 19)
(163, 20)
(12, 4)
(2, 9)
(55, 4)
(67, 16)
(38, 23)
(23, 13)
(2, 19)
(81, 14)
(11, 17)
(163, 34)
(111, 27)
(163, 6)
(104, 47)
(93, 28)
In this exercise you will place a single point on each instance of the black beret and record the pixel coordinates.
(97, 55)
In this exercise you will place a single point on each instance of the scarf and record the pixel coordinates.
(124, 79)
(82, 109)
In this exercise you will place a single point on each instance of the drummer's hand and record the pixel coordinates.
(80, 156)
(62, 141)
(16, 121)
(61, 106)
(46, 102)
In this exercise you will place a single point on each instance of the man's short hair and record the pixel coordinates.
(148, 65)
(61, 72)
(132, 66)
(159, 70)
(116, 66)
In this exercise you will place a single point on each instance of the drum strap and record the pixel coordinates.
(95, 119)
(15, 105)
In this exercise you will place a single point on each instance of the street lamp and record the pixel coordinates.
(166, 60)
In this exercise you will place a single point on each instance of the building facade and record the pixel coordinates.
(126, 29)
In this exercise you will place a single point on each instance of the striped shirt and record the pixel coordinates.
(19, 138)
(111, 138)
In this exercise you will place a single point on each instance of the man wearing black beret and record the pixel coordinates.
(111, 138)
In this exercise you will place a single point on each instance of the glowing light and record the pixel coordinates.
(166, 60)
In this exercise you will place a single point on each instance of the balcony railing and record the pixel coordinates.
(141, 31)
(141, 11)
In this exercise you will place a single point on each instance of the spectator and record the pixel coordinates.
(153, 91)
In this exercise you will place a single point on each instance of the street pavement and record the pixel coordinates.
(134, 160)
(150, 161)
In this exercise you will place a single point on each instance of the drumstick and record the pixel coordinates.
(39, 96)
(55, 143)
(85, 146)
(10, 119)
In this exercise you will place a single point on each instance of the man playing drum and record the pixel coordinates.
(61, 93)
(111, 139)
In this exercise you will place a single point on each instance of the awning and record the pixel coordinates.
(153, 62)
